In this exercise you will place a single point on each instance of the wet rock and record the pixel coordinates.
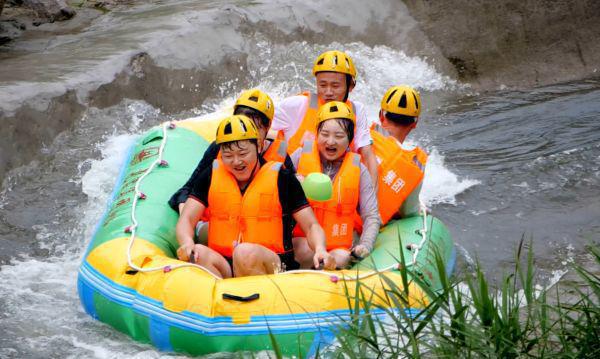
(30, 128)
(49, 10)
(514, 42)
(10, 30)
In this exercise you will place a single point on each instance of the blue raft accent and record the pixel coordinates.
(86, 295)
(160, 334)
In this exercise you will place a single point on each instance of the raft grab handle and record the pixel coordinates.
(249, 298)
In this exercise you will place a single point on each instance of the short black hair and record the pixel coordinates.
(401, 120)
(253, 113)
(347, 125)
(229, 145)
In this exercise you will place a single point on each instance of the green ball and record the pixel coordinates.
(317, 187)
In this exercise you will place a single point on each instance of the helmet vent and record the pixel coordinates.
(228, 130)
(390, 96)
(253, 98)
(243, 126)
(333, 109)
(335, 60)
(320, 62)
(416, 101)
(402, 101)
(347, 64)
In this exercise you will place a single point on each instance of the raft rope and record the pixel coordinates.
(415, 248)
(167, 268)
(140, 195)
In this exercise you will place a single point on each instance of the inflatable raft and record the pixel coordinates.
(130, 277)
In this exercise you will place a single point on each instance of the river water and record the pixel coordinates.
(503, 164)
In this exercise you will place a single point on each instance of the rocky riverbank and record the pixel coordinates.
(516, 43)
(19, 16)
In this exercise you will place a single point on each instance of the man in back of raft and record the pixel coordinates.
(252, 207)
(402, 167)
(296, 116)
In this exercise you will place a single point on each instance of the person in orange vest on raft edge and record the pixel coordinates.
(296, 116)
(252, 204)
(401, 167)
(352, 188)
(258, 106)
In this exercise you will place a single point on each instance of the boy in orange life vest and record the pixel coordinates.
(401, 168)
(296, 116)
(258, 106)
(352, 187)
(252, 203)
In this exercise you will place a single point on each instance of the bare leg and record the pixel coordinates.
(302, 252)
(212, 260)
(254, 259)
(342, 257)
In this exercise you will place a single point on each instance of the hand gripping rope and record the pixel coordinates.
(134, 223)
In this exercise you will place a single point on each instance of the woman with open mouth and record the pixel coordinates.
(353, 192)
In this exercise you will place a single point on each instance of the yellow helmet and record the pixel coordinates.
(258, 100)
(236, 128)
(335, 109)
(402, 100)
(334, 61)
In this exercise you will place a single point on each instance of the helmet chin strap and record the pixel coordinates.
(256, 164)
(349, 83)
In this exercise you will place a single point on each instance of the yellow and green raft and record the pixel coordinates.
(188, 310)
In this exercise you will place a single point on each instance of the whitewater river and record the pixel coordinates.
(503, 164)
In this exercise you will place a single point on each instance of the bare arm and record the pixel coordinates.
(191, 214)
(314, 236)
(370, 162)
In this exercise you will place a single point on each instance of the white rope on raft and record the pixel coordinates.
(423, 232)
(140, 195)
(167, 268)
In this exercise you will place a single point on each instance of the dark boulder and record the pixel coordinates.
(49, 10)
(10, 30)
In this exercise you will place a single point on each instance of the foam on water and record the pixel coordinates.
(41, 301)
(441, 185)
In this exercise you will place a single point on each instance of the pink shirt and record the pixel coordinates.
(290, 112)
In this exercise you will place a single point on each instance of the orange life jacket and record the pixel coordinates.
(277, 150)
(399, 173)
(308, 126)
(255, 217)
(336, 216)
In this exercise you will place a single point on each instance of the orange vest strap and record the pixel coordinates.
(277, 150)
(313, 100)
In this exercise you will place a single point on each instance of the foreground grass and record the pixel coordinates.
(470, 318)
